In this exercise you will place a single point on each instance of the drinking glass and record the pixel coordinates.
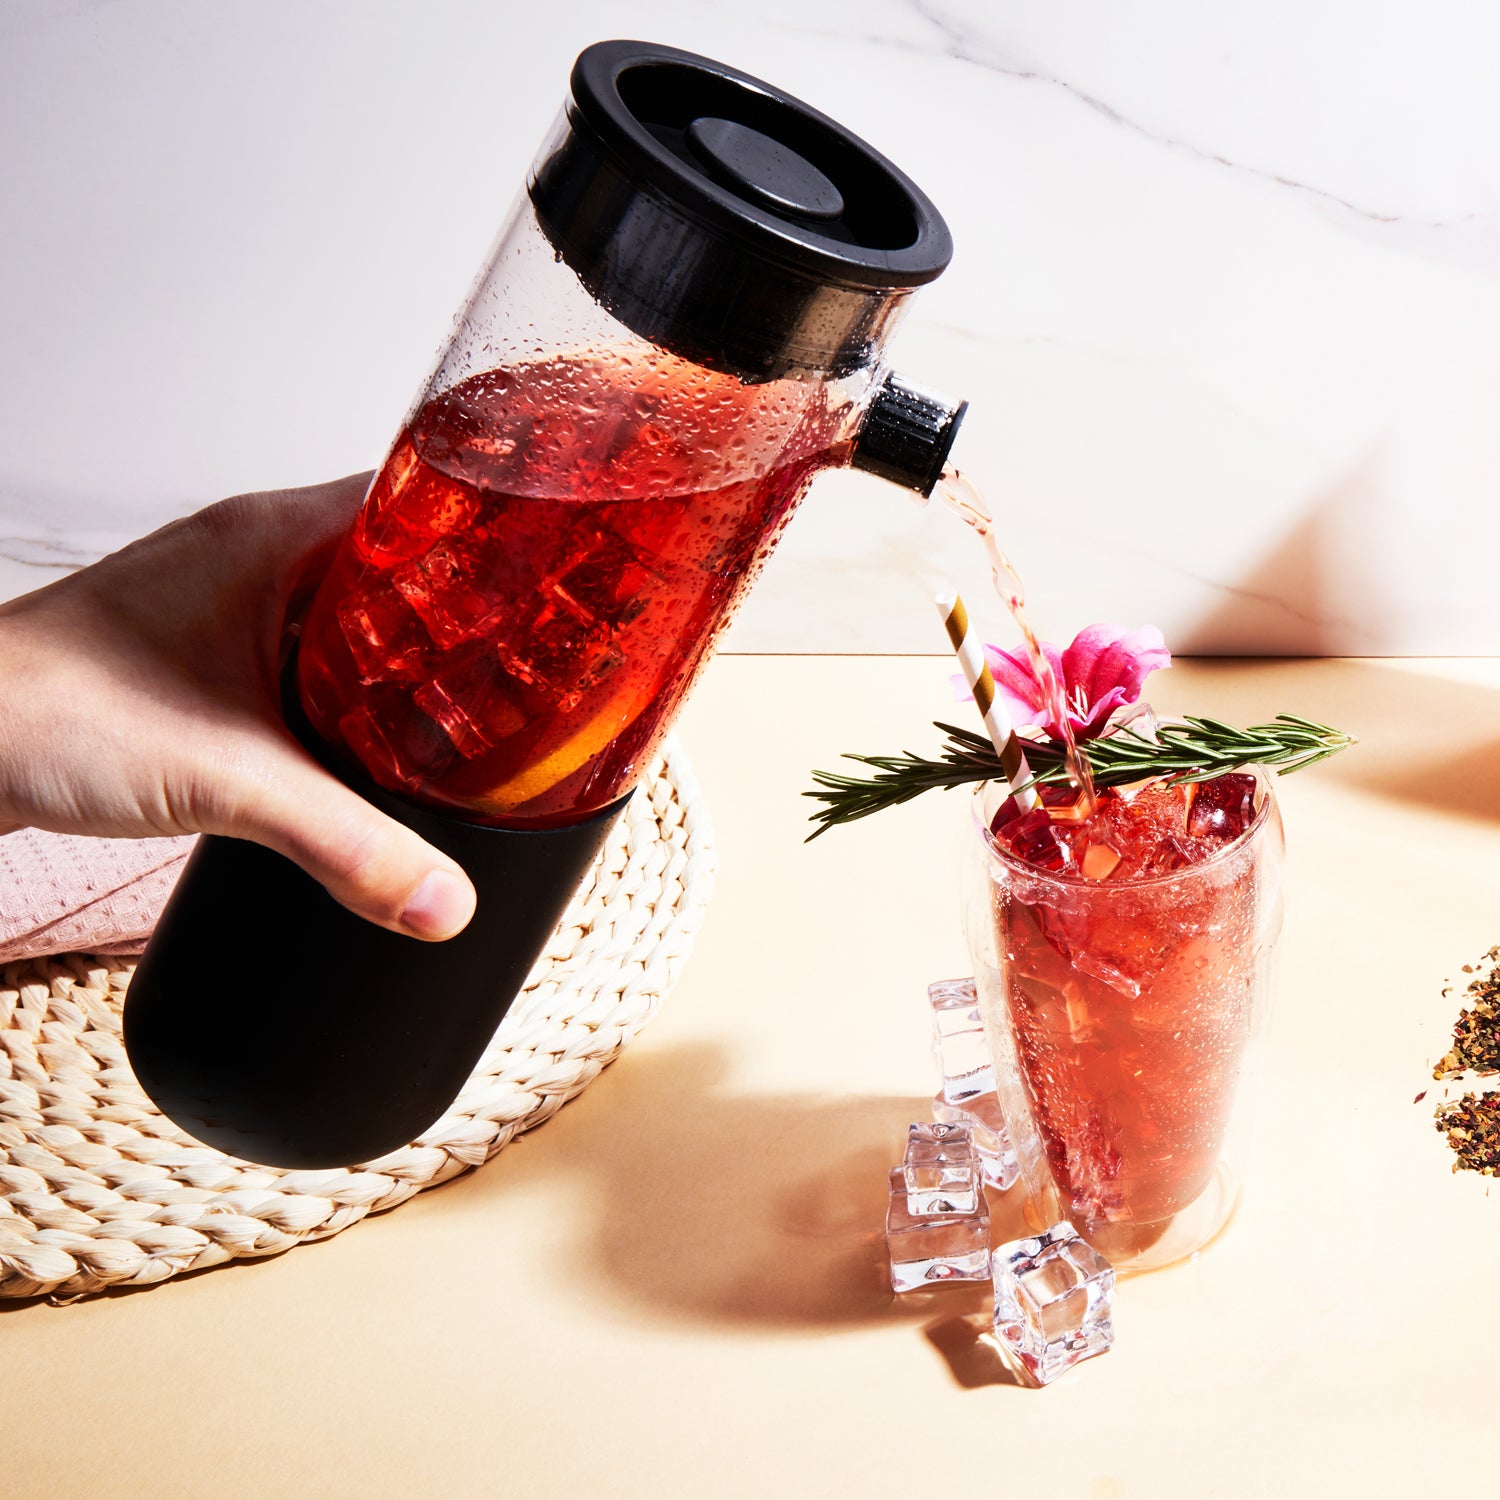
(1124, 1017)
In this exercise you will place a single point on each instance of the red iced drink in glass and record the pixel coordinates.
(1129, 953)
(540, 570)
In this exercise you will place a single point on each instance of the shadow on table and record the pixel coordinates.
(1431, 742)
(764, 1210)
(968, 1346)
(1423, 740)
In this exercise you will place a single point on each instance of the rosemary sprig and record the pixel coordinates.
(1193, 750)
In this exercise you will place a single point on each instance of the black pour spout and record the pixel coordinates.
(906, 434)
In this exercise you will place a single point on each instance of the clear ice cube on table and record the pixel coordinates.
(1054, 1298)
(958, 1044)
(941, 1170)
(992, 1148)
(929, 1249)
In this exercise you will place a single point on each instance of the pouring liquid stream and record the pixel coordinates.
(963, 498)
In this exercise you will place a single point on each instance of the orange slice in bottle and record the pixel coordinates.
(581, 746)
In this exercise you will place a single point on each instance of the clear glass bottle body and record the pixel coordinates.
(562, 530)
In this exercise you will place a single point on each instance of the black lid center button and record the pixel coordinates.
(762, 170)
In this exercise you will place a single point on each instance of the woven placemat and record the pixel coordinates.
(100, 1190)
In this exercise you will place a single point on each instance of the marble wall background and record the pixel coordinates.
(1226, 300)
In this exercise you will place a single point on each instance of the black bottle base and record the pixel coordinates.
(331, 1041)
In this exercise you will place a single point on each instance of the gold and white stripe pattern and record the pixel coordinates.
(982, 684)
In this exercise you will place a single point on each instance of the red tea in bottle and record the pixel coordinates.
(540, 570)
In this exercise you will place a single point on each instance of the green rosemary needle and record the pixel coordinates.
(1187, 750)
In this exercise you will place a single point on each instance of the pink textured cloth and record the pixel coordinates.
(60, 893)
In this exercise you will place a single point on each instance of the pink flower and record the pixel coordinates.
(1102, 671)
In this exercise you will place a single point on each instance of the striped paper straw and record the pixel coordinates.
(997, 725)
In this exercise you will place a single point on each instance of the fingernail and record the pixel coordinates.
(440, 906)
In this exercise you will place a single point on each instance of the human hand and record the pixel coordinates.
(138, 697)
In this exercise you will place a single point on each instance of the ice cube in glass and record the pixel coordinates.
(928, 1249)
(958, 1044)
(941, 1169)
(1054, 1299)
(1038, 840)
(1222, 809)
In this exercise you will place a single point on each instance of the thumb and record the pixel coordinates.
(365, 860)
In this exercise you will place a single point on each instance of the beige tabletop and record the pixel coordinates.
(676, 1287)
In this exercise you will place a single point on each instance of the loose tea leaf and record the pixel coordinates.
(1476, 1033)
(1472, 1125)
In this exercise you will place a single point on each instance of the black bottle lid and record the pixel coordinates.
(725, 220)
